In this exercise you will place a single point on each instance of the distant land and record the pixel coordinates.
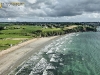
(12, 33)
(59, 23)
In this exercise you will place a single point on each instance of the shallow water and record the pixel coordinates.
(72, 54)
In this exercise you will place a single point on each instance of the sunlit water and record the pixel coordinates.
(73, 54)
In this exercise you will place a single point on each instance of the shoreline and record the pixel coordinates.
(13, 48)
(17, 54)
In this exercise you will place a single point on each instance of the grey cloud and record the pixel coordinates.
(67, 8)
(52, 8)
(76, 7)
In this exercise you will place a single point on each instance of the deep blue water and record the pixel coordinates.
(72, 54)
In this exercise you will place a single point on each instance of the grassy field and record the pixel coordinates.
(4, 44)
(14, 34)
(3, 36)
(53, 29)
(10, 33)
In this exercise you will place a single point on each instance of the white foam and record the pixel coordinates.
(45, 72)
(39, 66)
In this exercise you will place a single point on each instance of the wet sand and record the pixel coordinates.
(14, 56)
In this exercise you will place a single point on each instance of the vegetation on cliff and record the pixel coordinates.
(13, 34)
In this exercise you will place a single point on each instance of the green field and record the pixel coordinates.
(4, 44)
(14, 34)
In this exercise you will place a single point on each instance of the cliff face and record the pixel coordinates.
(81, 29)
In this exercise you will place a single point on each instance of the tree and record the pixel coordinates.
(1, 28)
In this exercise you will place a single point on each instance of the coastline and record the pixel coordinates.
(13, 48)
(14, 56)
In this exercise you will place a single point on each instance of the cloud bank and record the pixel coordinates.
(50, 8)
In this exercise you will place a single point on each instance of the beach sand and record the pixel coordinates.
(14, 56)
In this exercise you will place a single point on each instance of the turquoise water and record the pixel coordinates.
(72, 54)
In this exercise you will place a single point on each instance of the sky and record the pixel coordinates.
(50, 11)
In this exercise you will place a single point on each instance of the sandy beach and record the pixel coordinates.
(14, 56)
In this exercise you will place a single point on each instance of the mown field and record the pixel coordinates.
(14, 34)
(11, 35)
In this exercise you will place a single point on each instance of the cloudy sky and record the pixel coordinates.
(51, 11)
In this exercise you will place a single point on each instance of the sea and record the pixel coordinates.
(71, 54)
